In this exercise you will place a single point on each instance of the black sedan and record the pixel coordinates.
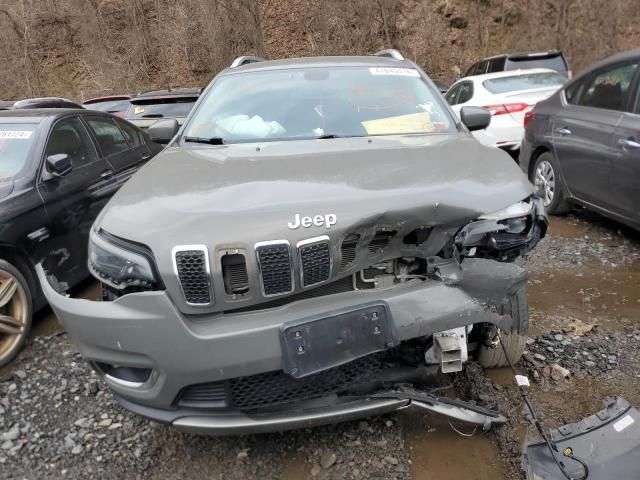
(582, 144)
(58, 167)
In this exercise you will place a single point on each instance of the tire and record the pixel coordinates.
(549, 184)
(514, 343)
(16, 312)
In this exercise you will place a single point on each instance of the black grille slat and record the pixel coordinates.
(348, 250)
(234, 273)
(275, 268)
(193, 275)
(315, 261)
(380, 240)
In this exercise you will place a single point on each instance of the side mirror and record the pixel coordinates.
(59, 164)
(475, 118)
(164, 130)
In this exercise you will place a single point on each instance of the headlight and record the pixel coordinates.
(506, 233)
(116, 266)
(514, 217)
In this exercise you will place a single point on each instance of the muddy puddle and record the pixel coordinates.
(608, 297)
(436, 451)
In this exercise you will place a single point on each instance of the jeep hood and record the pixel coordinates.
(249, 192)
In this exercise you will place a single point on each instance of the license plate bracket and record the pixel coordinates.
(318, 343)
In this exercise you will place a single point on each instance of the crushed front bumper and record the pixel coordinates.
(145, 330)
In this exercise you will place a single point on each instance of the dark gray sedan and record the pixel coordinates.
(582, 144)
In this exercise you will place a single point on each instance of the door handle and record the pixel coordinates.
(628, 143)
(106, 174)
(146, 156)
(563, 131)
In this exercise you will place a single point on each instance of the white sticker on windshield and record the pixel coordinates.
(403, 72)
(19, 134)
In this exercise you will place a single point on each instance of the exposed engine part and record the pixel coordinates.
(449, 349)
(390, 272)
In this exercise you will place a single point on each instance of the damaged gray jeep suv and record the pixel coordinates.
(321, 240)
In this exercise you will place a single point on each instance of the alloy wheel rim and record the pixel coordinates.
(13, 313)
(545, 182)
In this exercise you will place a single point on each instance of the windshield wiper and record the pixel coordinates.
(334, 135)
(153, 115)
(208, 141)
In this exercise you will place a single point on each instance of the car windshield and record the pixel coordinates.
(529, 81)
(109, 106)
(15, 144)
(169, 107)
(301, 103)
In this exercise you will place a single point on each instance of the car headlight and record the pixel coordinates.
(514, 217)
(120, 267)
(506, 233)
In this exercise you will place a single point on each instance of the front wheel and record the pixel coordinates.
(517, 307)
(15, 312)
(549, 185)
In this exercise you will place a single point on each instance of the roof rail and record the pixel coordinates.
(244, 60)
(390, 53)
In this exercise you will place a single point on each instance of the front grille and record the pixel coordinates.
(315, 261)
(274, 259)
(277, 388)
(192, 267)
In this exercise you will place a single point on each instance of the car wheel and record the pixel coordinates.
(549, 186)
(15, 312)
(517, 307)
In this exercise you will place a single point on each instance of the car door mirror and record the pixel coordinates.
(164, 130)
(59, 164)
(475, 118)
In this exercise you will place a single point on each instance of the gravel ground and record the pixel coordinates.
(58, 420)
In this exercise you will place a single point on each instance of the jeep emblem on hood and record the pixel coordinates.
(317, 220)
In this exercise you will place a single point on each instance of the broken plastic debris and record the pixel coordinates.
(522, 381)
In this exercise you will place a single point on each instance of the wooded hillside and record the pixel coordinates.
(82, 48)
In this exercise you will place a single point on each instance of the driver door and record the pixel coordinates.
(72, 201)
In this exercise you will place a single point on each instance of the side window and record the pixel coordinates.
(574, 91)
(131, 133)
(69, 136)
(110, 139)
(466, 92)
(609, 89)
(496, 65)
(472, 70)
(450, 97)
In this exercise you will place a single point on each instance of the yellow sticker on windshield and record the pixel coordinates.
(411, 123)
(138, 110)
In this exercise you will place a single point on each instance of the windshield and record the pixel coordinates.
(303, 103)
(109, 105)
(15, 143)
(162, 107)
(528, 81)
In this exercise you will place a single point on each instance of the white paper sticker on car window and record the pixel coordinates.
(623, 423)
(18, 134)
(403, 72)
(138, 110)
